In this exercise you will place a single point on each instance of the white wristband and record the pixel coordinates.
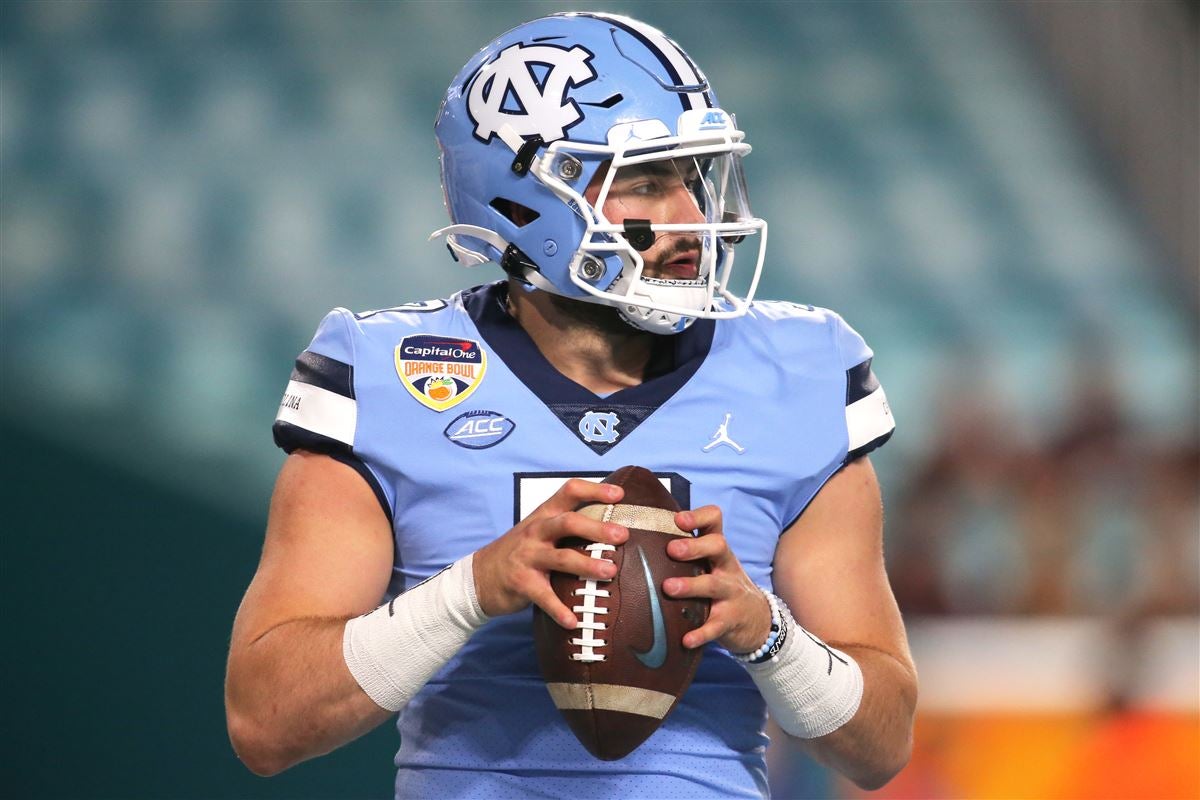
(394, 650)
(811, 688)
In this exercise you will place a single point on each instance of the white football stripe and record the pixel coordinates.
(868, 418)
(533, 491)
(610, 697)
(644, 518)
(320, 411)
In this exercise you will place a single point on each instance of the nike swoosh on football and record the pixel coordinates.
(656, 656)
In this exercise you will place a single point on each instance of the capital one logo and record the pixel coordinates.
(526, 88)
(599, 426)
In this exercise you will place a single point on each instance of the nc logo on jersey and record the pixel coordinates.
(526, 87)
(478, 430)
(440, 371)
(599, 426)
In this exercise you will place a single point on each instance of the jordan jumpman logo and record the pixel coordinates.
(722, 437)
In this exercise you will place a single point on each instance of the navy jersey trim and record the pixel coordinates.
(678, 359)
(860, 382)
(324, 372)
(290, 438)
(683, 354)
(874, 444)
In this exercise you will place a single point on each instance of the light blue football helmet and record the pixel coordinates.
(551, 106)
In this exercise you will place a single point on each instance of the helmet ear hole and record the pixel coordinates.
(516, 213)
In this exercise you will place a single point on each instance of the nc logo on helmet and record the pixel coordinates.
(526, 87)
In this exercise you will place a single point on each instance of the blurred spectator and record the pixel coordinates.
(1092, 519)
(953, 537)
(1169, 582)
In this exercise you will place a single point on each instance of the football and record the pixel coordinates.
(617, 676)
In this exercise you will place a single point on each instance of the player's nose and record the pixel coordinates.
(682, 207)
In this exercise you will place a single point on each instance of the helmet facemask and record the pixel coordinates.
(539, 133)
(663, 219)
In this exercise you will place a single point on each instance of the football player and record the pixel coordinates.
(438, 452)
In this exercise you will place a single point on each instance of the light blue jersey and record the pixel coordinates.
(461, 427)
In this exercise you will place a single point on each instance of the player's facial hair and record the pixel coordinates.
(594, 316)
(605, 318)
(677, 244)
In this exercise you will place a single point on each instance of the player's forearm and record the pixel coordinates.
(289, 696)
(877, 742)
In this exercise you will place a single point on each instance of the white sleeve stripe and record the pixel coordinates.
(868, 419)
(320, 411)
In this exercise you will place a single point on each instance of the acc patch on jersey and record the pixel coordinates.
(440, 371)
(478, 430)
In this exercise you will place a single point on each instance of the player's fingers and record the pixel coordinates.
(712, 546)
(573, 562)
(576, 492)
(544, 598)
(706, 519)
(711, 586)
(710, 631)
(572, 523)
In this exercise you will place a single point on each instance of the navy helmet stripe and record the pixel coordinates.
(673, 59)
(700, 77)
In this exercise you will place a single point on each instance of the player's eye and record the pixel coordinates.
(639, 186)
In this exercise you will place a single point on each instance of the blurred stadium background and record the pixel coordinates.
(1001, 197)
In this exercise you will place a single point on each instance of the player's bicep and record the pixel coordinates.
(328, 549)
(829, 565)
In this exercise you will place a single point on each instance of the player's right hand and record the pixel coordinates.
(513, 571)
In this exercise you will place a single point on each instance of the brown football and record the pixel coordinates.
(617, 676)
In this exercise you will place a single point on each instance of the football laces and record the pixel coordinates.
(590, 609)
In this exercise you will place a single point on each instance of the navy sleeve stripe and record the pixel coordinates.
(874, 444)
(860, 382)
(325, 373)
(291, 437)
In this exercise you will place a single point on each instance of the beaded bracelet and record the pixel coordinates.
(775, 638)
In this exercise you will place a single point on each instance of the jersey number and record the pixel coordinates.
(531, 489)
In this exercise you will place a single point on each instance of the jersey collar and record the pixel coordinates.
(573, 404)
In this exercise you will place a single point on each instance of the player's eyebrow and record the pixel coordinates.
(658, 169)
(655, 168)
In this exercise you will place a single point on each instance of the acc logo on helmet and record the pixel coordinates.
(526, 88)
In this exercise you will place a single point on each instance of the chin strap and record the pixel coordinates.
(525, 157)
(463, 254)
(514, 262)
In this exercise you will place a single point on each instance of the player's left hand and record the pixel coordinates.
(740, 617)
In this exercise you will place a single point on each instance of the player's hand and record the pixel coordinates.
(739, 618)
(513, 571)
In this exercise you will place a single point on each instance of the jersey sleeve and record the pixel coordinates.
(319, 410)
(869, 421)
